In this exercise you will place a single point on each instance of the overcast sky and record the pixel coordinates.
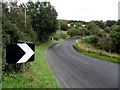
(86, 10)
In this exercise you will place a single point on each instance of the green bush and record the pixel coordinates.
(97, 53)
(64, 26)
(105, 44)
(73, 32)
(87, 39)
(95, 40)
(56, 37)
(13, 29)
(83, 31)
(60, 35)
(115, 35)
(67, 36)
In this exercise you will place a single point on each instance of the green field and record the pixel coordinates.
(89, 50)
(38, 76)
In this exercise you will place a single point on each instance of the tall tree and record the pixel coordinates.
(64, 26)
(43, 18)
(13, 29)
(118, 22)
(115, 34)
(110, 23)
(93, 28)
(100, 24)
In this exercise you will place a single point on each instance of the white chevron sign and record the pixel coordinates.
(28, 52)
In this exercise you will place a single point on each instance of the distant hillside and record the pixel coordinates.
(72, 21)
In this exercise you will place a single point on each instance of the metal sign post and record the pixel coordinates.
(19, 53)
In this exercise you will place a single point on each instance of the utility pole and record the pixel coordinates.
(25, 19)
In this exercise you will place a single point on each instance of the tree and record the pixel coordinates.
(93, 28)
(43, 18)
(107, 29)
(83, 31)
(118, 22)
(64, 27)
(73, 32)
(90, 25)
(110, 23)
(100, 24)
(105, 43)
(13, 29)
(95, 40)
(115, 35)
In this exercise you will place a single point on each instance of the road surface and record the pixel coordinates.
(75, 70)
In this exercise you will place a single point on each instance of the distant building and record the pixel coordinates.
(83, 25)
(74, 25)
(68, 25)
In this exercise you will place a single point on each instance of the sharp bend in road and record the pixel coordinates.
(75, 70)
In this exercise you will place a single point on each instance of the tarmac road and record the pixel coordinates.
(75, 70)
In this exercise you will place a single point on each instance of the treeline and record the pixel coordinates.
(103, 35)
(33, 22)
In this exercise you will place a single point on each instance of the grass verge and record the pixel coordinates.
(38, 76)
(96, 53)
